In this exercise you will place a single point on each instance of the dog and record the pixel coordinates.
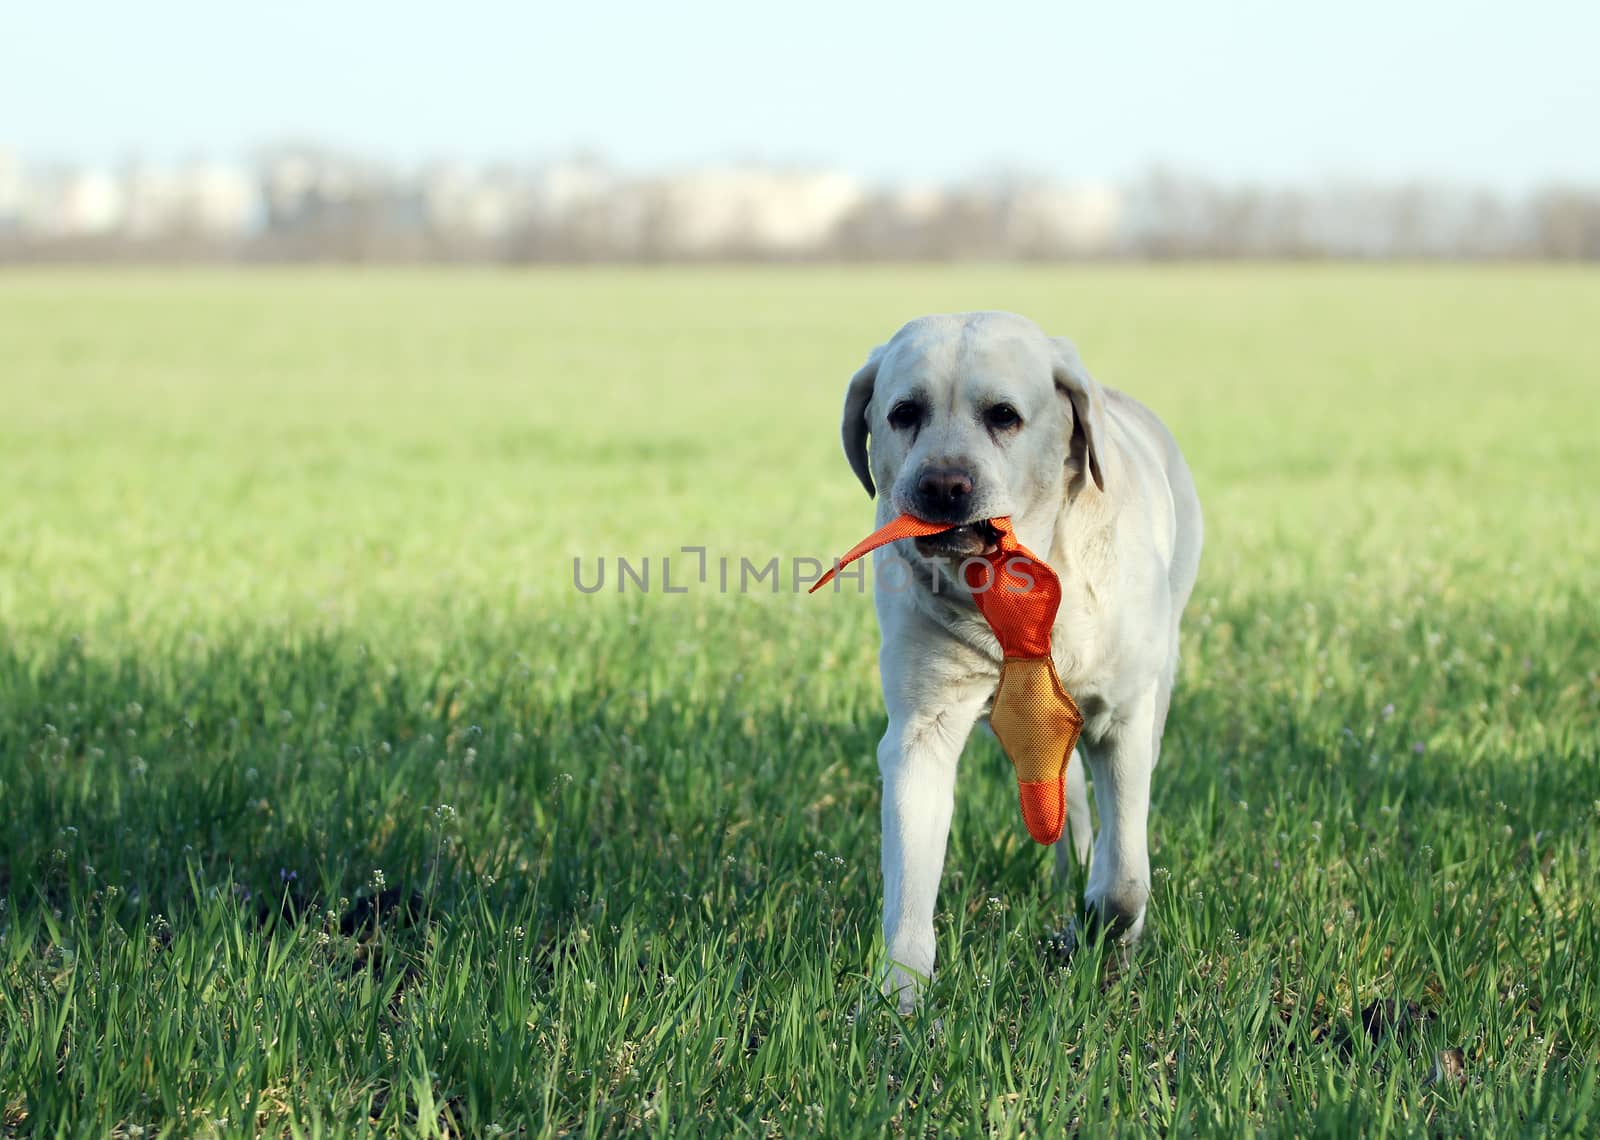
(974, 416)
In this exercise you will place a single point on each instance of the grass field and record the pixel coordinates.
(328, 804)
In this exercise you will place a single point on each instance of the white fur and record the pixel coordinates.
(1126, 555)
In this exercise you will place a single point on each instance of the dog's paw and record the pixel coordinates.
(1115, 953)
(904, 988)
(1119, 914)
(1058, 946)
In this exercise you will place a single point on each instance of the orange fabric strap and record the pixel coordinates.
(1034, 717)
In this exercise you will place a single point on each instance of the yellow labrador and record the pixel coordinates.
(973, 416)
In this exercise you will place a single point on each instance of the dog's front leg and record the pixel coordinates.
(1119, 875)
(1072, 849)
(917, 758)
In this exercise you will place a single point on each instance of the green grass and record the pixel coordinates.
(328, 805)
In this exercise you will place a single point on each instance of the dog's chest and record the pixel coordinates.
(1076, 643)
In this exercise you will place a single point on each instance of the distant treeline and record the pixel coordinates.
(311, 206)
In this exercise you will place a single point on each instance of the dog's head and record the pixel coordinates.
(972, 416)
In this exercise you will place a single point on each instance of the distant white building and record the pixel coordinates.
(85, 202)
(208, 199)
(1051, 220)
(707, 212)
(918, 204)
(298, 182)
(480, 204)
(562, 187)
(221, 199)
(12, 190)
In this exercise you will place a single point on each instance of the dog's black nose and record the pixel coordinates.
(944, 493)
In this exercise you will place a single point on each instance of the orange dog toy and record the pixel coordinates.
(1036, 720)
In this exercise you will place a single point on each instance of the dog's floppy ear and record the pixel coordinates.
(1088, 404)
(854, 427)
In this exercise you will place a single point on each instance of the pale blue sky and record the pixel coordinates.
(1503, 94)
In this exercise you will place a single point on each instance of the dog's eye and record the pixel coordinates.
(1002, 417)
(904, 415)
